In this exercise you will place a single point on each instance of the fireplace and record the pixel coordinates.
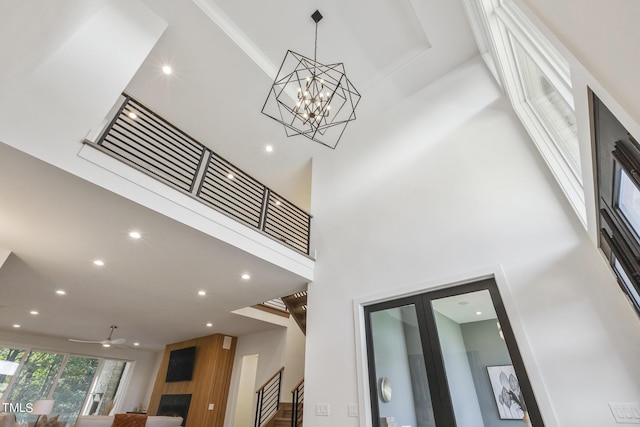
(175, 405)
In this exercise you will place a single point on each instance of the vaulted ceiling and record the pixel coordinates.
(224, 54)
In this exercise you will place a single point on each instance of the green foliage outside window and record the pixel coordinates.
(73, 386)
(34, 380)
(48, 375)
(9, 355)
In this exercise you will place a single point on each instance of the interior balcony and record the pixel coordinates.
(139, 145)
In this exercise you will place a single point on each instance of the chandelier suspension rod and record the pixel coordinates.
(315, 48)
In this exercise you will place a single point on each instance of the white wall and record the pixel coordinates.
(142, 374)
(448, 183)
(246, 384)
(293, 360)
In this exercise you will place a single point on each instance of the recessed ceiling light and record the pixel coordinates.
(132, 115)
(167, 69)
(209, 325)
(278, 202)
(478, 313)
(16, 326)
(135, 235)
(136, 344)
(106, 345)
(230, 175)
(246, 276)
(60, 292)
(34, 312)
(202, 293)
(98, 262)
(268, 148)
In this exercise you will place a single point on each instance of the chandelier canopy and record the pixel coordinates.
(312, 99)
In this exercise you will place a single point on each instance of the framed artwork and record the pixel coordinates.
(506, 391)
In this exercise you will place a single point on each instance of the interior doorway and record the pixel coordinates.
(244, 413)
(447, 358)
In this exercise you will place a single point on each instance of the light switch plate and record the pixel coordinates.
(211, 406)
(322, 409)
(625, 413)
(352, 410)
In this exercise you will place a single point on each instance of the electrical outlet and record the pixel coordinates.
(322, 409)
(625, 413)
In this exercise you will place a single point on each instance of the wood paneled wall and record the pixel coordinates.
(210, 383)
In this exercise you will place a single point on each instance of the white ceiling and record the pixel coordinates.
(56, 225)
(224, 54)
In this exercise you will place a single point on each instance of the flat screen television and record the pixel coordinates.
(181, 364)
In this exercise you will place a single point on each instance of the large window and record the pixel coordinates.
(73, 386)
(78, 384)
(34, 380)
(537, 80)
(618, 179)
(549, 106)
(10, 360)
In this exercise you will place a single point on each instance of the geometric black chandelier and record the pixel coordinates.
(312, 99)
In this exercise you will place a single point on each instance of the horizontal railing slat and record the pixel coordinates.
(165, 127)
(169, 147)
(153, 170)
(282, 223)
(156, 147)
(151, 155)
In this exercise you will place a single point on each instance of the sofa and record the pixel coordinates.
(107, 420)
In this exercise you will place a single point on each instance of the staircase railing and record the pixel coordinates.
(298, 403)
(268, 401)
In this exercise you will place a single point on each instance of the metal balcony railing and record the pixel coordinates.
(139, 137)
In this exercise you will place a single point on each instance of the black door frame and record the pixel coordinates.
(434, 363)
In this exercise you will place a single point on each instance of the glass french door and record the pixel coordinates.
(447, 358)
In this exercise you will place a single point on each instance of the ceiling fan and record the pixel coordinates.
(105, 343)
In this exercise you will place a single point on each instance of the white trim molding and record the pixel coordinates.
(500, 24)
(497, 273)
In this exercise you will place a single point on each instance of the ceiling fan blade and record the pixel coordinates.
(85, 342)
(106, 343)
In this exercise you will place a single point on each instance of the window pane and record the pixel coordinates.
(401, 375)
(9, 361)
(629, 201)
(35, 380)
(482, 380)
(73, 386)
(626, 281)
(550, 107)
